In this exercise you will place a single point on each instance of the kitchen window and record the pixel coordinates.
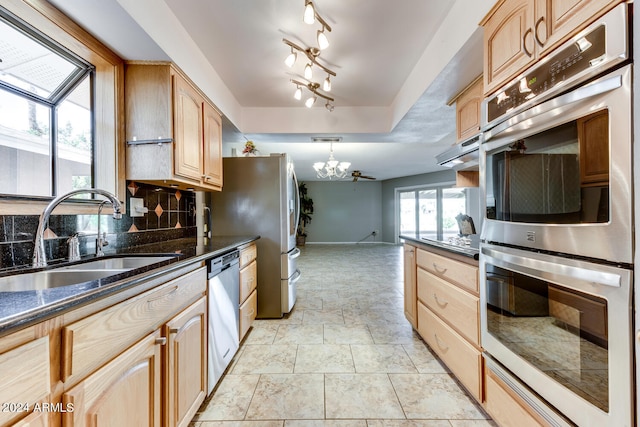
(46, 114)
(431, 211)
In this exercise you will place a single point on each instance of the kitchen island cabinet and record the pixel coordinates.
(410, 289)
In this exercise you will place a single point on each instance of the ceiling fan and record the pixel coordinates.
(357, 174)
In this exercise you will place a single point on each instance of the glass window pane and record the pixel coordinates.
(408, 212)
(25, 148)
(428, 212)
(75, 148)
(454, 202)
(29, 65)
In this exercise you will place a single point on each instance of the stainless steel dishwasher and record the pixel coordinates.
(223, 297)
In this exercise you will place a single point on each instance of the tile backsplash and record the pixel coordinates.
(171, 215)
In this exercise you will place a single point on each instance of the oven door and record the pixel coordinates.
(558, 176)
(576, 352)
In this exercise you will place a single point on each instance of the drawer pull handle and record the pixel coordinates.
(161, 341)
(173, 291)
(537, 27)
(524, 42)
(250, 313)
(442, 347)
(174, 330)
(442, 304)
(441, 270)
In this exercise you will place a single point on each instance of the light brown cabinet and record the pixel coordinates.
(505, 407)
(173, 132)
(468, 110)
(186, 364)
(519, 32)
(126, 391)
(248, 288)
(410, 300)
(593, 135)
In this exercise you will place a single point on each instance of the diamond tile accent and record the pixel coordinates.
(178, 225)
(158, 210)
(49, 234)
(133, 188)
(178, 195)
(133, 228)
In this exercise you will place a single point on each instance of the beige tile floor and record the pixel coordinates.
(344, 357)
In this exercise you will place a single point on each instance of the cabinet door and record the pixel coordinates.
(560, 19)
(468, 111)
(124, 392)
(509, 42)
(186, 368)
(212, 167)
(593, 134)
(187, 130)
(410, 297)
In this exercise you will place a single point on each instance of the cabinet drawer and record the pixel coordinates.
(248, 312)
(34, 419)
(506, 408)
(114, 329)
(25, 378)
(455, 306)
(459, 273)
(248, 280)
(248, 254)
(464, 360)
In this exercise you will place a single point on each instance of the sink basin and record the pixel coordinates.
(52, 279)
(77, 273)
(126, 263)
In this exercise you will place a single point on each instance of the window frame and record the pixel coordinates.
(108, 102)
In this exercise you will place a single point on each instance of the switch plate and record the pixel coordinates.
(136, 207)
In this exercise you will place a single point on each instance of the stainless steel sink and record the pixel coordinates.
(52, 279)
(77, 273)
(126, 263)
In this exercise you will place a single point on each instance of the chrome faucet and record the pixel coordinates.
(39, 253)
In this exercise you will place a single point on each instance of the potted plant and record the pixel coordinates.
(306, 210)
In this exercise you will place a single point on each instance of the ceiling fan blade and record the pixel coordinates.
(366, 177)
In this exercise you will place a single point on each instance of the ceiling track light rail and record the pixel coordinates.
(312, 54)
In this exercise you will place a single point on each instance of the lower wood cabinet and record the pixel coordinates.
(186, 364)
(505, 407)
(124, 392)
(248, 311)
(410, 308)
(248, 288)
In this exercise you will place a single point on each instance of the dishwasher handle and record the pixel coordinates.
(219, 264)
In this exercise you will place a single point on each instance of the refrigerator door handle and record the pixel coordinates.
(296, 276)
(294, 253)
(296, 198)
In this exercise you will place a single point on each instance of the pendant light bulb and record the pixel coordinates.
(291, 59)
(298, 94)
(308, 72)
(326, 86)
(323, 41)
(309, 13)
(310, 101)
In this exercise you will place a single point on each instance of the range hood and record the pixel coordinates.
(461, 156)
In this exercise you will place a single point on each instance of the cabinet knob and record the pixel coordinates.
(161, 341)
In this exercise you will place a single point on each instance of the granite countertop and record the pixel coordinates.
(472, 250)
(19, 309)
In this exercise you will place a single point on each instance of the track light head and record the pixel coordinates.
(308, 72)
(291, 59)
(323, 41)
(329, 107)
(310, 101)
(326, 86)
(298, 93)
(309, 16)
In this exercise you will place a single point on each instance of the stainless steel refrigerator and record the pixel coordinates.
(260, 197)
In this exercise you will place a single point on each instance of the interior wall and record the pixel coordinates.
(345, 212)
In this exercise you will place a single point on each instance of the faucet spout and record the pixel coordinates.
(39, 253)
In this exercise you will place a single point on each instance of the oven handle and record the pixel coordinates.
(580, 94)
(529, 265)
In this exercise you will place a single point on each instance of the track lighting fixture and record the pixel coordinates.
(291, 59)
(323, 41)
(298, 93)
(326, 86)
(313, 88)
(308, 72)
(309, 16)
(312, 55)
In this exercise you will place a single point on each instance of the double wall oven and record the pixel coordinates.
(556, 257)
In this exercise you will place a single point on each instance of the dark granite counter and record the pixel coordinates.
(472, 250)
(19, 309)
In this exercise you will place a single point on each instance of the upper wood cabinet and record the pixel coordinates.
(174, 134)
(468, 110)
(518, 32)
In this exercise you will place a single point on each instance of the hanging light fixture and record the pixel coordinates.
(332, 168)
(323, 41)
(291, 59)
(309, 16)
(326, 86)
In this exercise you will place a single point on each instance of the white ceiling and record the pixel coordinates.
(397, 65)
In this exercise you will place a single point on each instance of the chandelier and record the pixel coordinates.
(332, 168)
(312, 53)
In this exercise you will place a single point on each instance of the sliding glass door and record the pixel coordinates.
(430, 211)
